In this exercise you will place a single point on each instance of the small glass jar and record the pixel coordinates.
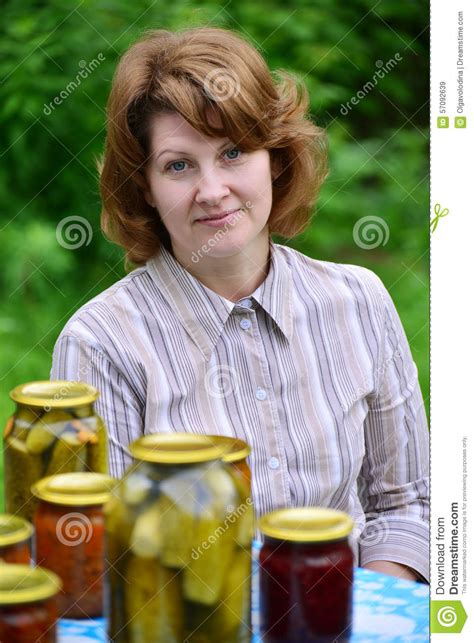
(306, 576)
(70, 538)
(54, 430)
(237, 454)
(178, 566)
(15, 539)
(28, 610)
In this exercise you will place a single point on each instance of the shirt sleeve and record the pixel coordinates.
(394, 478)
(117, 404)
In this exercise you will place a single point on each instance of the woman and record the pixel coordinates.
(218, 329)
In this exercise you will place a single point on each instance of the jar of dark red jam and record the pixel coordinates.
(28, 609)
(15, 539)
(70, 538)
(306, 576)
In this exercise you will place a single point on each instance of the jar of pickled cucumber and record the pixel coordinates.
(28, 609)
(179, 545)
(15, 539)
(70, 538)
(54, 429)
(306, 569)
(237, 453)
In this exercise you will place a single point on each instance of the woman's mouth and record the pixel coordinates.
(221, 221)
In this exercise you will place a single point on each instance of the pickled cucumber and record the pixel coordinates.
(24, 419)
(22, 469)
(44, 432)
(231, 620)
(28, 415)
(153, 602)
(177, 527)
(83, 411)
(244, 511)
(146, 538)
(97, 450)
(224, 495)
(213, 547)
(68, 455)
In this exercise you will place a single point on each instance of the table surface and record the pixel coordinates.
(385, 609)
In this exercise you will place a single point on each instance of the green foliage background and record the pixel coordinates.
(378, 151)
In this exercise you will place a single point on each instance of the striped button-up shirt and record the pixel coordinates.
(313, 370)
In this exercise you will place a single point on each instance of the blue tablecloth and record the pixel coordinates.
(385, 609)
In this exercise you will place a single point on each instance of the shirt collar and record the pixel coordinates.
(203, 313)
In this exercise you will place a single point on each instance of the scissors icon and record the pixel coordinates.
(439, 214)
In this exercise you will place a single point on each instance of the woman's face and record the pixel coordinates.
(192, 176)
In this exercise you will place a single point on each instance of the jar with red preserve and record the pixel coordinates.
(28, 610)
(70, 538)
(306, 576)
(15, 539)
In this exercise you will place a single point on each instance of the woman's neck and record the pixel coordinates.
(235, 276)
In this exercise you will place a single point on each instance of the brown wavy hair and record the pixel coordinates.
(196, 72)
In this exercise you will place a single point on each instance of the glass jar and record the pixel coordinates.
(28, 610)
(15, 539)
(237, 454)
(70, 538)
(54, 430)
(306, 576)
(180, 561)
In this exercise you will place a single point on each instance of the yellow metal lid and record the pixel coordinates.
(306, 524)
(176, 448)
(56, 394)
(14, 529)
(74, 489)
(238, 449)
(25, 584)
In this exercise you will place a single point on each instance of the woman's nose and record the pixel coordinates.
(211, 187)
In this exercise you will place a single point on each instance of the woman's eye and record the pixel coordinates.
(180, 168)
(172, 165)
(234, 149)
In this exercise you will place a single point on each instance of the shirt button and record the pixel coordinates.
(245, 324)
(246, 303)
(273, 463)
(261, 394)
